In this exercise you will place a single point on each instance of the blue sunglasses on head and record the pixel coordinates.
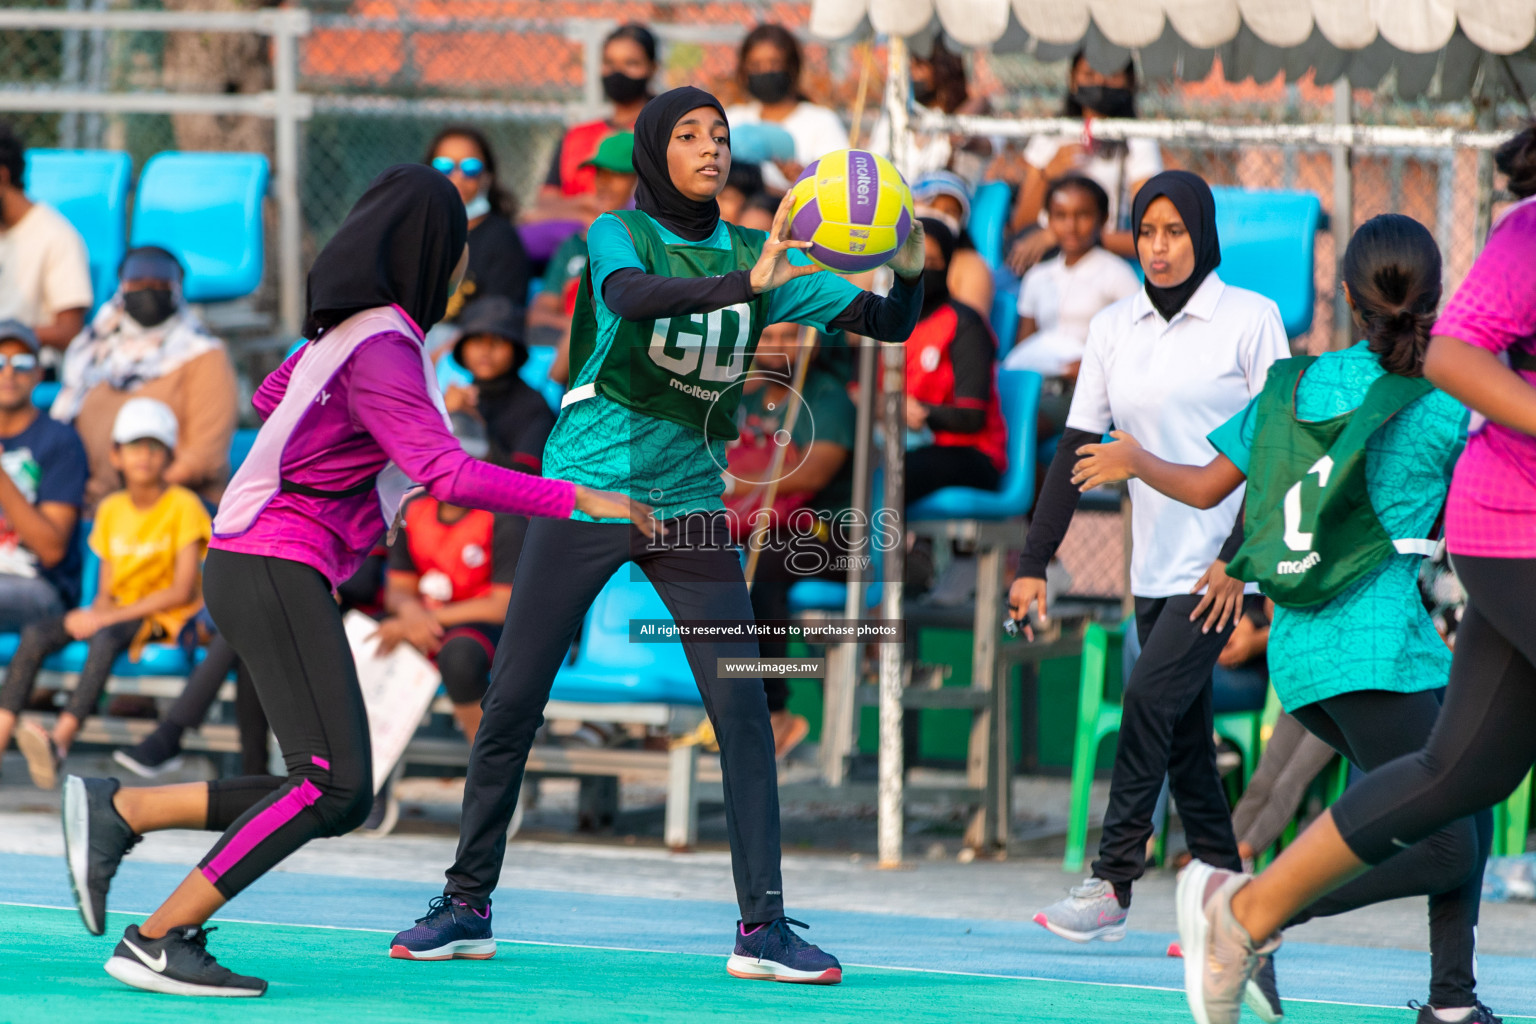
(470, 166)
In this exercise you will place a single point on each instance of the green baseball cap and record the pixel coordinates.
(615, 153)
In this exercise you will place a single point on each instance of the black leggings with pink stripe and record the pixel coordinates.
(282, 621)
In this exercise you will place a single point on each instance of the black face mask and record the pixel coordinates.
(621, 88)
(935, 289)
(149, 307)
(924, 93)
(1106, 101)
(770, 86)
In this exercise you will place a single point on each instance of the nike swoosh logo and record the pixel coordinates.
(158, 966)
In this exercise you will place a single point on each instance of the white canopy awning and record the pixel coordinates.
(1436, 46)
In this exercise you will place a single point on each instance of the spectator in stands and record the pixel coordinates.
(744, 182)
(45, 278)
(150, 538)
(160, 751)
(629, 64)
(808, 529)
(515, 418)
(498, 264)
(146, 342)
(939, 83)
(945, 195)
(768, 70)
(41, 492)
(951, 378)
(614, 189)
(450, 578)
(1121, 168)
(1292, 758)
(1059, 297)
(757, 212)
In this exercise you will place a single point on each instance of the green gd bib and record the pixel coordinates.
(683, 368)
(1310, 529)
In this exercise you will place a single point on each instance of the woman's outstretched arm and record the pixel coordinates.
(1200, 486)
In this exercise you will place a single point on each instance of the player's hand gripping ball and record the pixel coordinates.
(854, 208)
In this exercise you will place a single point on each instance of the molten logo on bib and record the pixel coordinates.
(1299, 565)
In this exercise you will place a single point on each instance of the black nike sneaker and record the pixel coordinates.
(177, 964)
(95, 839)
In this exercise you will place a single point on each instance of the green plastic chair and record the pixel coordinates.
(1512, 820)
(1097, 718)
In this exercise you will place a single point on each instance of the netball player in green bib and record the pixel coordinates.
(1348, 458)
(668, 315)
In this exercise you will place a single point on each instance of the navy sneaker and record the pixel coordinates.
(452, 930)
(1480, 1014)
(177, 964)
(771, 952)
(95, 839)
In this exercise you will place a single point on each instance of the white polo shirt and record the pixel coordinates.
(1169, 384)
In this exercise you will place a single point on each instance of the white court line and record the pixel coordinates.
(717, 956)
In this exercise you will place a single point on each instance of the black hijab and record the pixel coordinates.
(1191, 196)
(655, 194)
(398, 245)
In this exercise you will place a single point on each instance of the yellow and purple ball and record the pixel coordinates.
(854, 208)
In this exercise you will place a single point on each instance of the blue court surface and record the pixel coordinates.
(627, 958)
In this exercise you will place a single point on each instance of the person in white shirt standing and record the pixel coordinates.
(1060, 297)
(768, 69)
(1120, 167)
(45, 278)
(1175, 359)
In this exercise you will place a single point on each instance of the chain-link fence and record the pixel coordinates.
(370, 84)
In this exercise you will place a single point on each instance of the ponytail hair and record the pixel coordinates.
(1517, 159)
(1392, 268)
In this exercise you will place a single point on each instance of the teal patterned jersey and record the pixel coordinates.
(602, 444)
(1376, 635)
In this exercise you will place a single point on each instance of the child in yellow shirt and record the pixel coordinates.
(150, 537)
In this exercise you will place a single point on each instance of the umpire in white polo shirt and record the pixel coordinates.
(1168, 364)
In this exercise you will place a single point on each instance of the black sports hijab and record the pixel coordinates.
(655, 193)
(1191, 196)
(398, 246)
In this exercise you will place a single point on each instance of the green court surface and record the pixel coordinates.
(53, 973)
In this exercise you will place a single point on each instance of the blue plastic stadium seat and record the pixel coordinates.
(155, 660)
(205, 208)
(44, 394)
(1005, 309)
(240, 447)
(988, 225)
(8, 642)
(610, 668)
(831, 596)
(90, 188)
(1267, 240)
(1019, 393)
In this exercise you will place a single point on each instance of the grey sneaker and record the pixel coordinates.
(1089, 912)
(1220, 957)
(1262, 995)
(95, 840)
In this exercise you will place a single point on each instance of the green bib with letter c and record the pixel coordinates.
(1309, 527)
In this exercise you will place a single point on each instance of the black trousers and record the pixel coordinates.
(202, 689)
(1482, 744)
(40, 639)
(939, 466)
(1370, 728)
(282, 622)
(785, 561)
(564, 564)
(1165, 730)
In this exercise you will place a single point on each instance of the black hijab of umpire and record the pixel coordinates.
(655, 194)
(1191, 196)
(399, 245)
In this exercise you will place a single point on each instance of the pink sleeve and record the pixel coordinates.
(1495, 307)
(274, 387)
(388, 398)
